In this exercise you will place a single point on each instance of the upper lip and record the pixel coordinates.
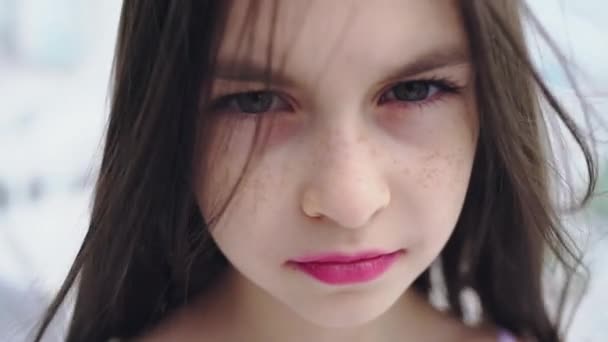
(330, 257)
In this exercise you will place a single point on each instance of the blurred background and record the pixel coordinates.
(55, 62)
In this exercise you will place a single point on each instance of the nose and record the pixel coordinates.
(345, 184)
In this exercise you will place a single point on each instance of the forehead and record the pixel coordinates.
(318, 36)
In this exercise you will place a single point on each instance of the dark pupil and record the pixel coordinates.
(254, 102)
(412, 91)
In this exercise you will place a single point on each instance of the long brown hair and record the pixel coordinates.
(146, 233)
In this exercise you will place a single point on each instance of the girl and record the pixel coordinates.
(290, 170)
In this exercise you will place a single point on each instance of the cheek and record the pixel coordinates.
(235, 142)
(448, 142)
(236, 232)
(249, 234)
(240, 214)
(433, 182)
(434, 195)
(446, 173)
(225, 164)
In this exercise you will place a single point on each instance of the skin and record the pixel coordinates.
(354, 173)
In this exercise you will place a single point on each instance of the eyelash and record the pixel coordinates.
(443, 86)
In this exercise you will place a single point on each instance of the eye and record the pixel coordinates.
(253, 102)
(413, 91)
(421, 91)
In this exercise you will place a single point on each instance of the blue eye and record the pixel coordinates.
(253, 102)
(414, 91)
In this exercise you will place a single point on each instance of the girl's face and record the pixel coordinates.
(370, 148)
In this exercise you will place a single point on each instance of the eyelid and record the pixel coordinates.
(222, 88)
(453, 75)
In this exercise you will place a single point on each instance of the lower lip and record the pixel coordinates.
(341, 273)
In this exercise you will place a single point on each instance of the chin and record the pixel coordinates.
(344, 310)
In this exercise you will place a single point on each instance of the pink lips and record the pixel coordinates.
(338, 269)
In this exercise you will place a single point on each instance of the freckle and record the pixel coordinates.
(425, 178)
(374, 151)
(434, 173)
(432, 156)
(430, 176)
(450, 158)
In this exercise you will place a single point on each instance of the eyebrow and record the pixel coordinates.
(249, 71)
